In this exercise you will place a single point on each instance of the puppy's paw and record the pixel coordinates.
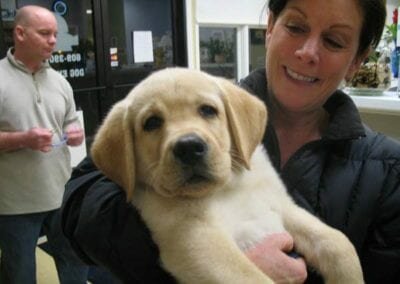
(339, 262)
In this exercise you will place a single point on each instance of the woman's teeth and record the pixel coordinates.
(297, 76)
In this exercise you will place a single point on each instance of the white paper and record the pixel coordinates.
(142, 46)
(78, 152)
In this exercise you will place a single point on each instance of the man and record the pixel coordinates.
(37, 120)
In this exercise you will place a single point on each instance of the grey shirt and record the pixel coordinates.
(33, 181)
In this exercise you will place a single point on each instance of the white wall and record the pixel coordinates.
(249, 12)
(78, 152)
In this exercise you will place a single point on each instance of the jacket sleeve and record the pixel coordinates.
(381, 257)
(106, 230)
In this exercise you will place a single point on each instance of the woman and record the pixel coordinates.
(332, 165)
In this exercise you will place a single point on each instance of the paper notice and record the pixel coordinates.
(142, 46)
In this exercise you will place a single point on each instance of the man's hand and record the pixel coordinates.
(270, 255)
(74, 134)
(38, 139)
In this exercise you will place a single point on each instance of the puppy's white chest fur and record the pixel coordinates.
(246, 218)
(246, 209)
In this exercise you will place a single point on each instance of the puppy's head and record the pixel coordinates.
(180, 132)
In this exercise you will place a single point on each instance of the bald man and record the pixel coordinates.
(38, 120)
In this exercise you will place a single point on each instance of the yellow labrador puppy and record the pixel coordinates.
(185, 147)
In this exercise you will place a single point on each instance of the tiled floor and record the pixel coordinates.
(46, 270)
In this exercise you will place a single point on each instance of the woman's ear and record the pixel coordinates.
(355, 65)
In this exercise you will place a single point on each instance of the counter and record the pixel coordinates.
(380, 112)
(388, 103)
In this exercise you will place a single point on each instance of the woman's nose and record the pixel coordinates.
(309, 50)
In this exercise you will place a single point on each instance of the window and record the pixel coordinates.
(256, 48)
(218, 49)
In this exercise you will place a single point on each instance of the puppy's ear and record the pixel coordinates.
(112, 149)
(247, 118)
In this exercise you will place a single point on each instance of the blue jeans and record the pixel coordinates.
(19, 235)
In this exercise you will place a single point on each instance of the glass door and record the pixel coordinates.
(140, 36)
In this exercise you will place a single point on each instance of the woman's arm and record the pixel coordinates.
(106, 230)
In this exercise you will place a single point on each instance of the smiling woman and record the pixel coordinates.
(311, 47)
(310, 52)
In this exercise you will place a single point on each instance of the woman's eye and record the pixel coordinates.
(152, 123)
(333, 43)
(295, 29)
(208, 111)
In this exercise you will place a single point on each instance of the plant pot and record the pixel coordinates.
(219, 58)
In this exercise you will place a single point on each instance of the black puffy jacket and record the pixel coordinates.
(350, 179)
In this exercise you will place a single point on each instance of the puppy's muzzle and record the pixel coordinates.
(190, 150)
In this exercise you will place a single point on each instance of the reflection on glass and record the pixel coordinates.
(256, 49)
(218, 51)
(74, 55)
(8, 11)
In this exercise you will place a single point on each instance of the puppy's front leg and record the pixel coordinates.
(325, 248)
(204, 254)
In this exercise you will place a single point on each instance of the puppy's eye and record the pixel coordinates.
(208, 111)
(152, 123)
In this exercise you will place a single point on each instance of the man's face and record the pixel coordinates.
(39, 36)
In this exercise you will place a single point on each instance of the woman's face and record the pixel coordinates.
(311, 48)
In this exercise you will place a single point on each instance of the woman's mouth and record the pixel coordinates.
(300, 77)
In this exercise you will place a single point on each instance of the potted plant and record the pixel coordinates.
(216, 48)
(374, 73)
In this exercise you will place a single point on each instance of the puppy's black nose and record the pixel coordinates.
(190, 149)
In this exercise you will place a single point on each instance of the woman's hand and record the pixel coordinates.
(270, 255)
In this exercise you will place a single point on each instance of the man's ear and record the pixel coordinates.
(113, 148)
(19, 32)
(247, 118)
(356, 63)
